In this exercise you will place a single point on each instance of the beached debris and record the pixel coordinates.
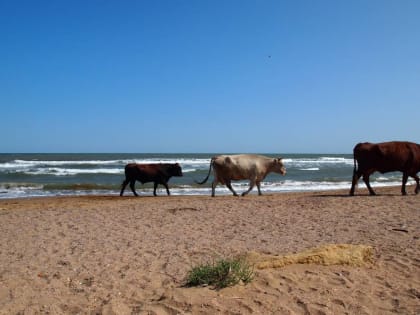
(333, 254)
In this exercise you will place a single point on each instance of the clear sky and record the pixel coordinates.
(207, 75)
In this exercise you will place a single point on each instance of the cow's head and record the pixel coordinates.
(278, 166)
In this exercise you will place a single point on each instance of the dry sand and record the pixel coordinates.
(113, 255)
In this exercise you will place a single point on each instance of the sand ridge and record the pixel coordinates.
(112, 255)
(326, 255)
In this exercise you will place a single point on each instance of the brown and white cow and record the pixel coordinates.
(386, 157)
(144, 173)
(242, 166)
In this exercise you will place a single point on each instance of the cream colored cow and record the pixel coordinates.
(243, 166)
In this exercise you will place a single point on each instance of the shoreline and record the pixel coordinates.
(93, 174)
(148, 192)
(130, 255)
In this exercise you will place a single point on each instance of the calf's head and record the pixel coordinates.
(175, 170)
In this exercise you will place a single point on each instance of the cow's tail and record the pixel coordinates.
(355, 178)
(208, 175)
(355, 157)
(355, 166)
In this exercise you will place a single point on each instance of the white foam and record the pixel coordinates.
(73, 171)
(32, 163)
(316, 162)
(188, 170)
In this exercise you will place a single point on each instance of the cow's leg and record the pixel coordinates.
(366, 180)
(132, 187)
(259, 188)
(229, 185)
(404, 182)
(251, 186)
(123, 185)
(416, 178)
(356, 177)
(213, 187)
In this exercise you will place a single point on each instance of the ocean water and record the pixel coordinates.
(28, 175)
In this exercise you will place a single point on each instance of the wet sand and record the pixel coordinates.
(127, 255)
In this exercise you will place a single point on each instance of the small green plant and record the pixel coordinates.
(221, 274)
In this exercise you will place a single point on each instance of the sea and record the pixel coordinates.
(36, 175)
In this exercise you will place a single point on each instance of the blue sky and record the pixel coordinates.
(208, 76)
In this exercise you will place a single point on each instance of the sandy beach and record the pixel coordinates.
(127, 255)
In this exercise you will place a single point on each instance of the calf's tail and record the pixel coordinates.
(208, 175)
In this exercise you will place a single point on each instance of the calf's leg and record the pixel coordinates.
(167, 188)
(155, 184)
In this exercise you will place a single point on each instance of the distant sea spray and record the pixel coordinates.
(29, 175)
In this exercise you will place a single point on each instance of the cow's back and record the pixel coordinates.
(388, 156)
(237, 167)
